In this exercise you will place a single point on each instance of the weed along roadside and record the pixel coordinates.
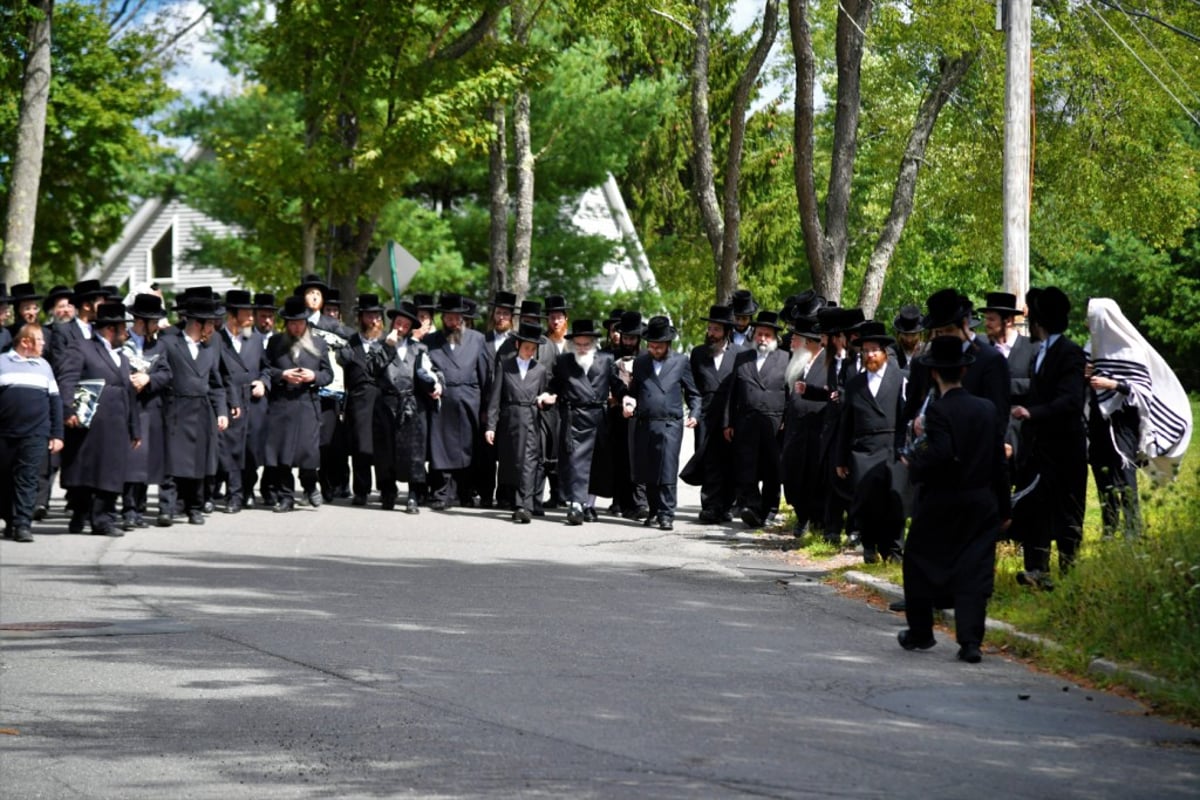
(1127, 614)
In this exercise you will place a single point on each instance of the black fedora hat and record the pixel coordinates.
(111, 291)
(147, 306)
(722, 315)
(472, 307)
(238, 298)
(872, 331)
(56, 294)
(24, 292)
(767, 319)
(406, 310)
(908, 320)
(833, 319)
(555, 302)
(294, 309)
(182, 299)
(202, 309)
(424, 302)
(805, 304)
(312, 281)
(1050, 308)
(945, 352)
(1002, 303)
(804, 326)
(531, 309)
(264, 301)
(109, 314)
(742, 302)
(85, 291)
(631, 324)
(944, 307)
(368, 302)
(451, 303)
(583, 327)
(528, 332)
(614, 317)
(659, 329)
(504, 299)
(333, 297)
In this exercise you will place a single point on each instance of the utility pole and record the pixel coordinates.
(1017, 18)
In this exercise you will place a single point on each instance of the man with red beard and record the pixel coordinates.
(868, 439)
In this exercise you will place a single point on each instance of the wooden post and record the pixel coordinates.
(1017, 148)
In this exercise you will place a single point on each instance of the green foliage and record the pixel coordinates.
(100, 152)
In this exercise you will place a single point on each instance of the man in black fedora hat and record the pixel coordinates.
(243, 365)
(26, 305)
(869, 435)
(196, 408)
(57, 305)
(361, 392)
(758, 394)
(497, 339)
(661, 385)
(629, 495)
(520, 391)
(333, 304)
(907, 326)
(612, 338)
(960, 469)
(298, 366)
(583, 380)
(1053, 442)
(999, 322)
(264, 315)
(711, 465)
(147, 463)
(743, 308)
(85, 297)
(461, 355)
(426, 307)
(101, 422)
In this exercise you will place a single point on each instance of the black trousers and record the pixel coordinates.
(361, 481)
(970, 614)
(20, 462)
(662, 500)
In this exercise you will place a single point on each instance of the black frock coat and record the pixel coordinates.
(962, 497)
(294, 413)
(147, 464)
(869, 436)
(514, 415)
(239, 371)
(454, 424)
(401, 413)
(658, 418)
(712, 383)
(98, 457)
(193, 399)
(800, 453)
(754, 409)
(361, 394)
(582, 412)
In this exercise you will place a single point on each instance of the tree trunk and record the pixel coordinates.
(727, 275)
(704, 174)
(523, 154)
(498, 210)
(308, 252)
(944, 85)
(21, 216)
(803, 158)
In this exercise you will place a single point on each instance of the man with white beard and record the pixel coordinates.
(753, 416)
(584, 380)
(803, 480)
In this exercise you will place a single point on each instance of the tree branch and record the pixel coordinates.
(473, 35)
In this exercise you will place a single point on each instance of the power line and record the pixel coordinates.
(1134, 24)
(1154, 19)
(1145, 66)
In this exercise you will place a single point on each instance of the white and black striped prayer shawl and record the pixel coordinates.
(1119, 351)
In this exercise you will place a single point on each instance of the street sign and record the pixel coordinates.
(394, 269)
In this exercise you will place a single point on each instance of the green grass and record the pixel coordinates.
(1136, 602)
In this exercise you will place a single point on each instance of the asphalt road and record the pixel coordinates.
(347, 652)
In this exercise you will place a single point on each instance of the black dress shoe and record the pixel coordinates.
(574, 515)
(23, 534)
(708, 516)
(359, 500)
(521, 517)
(208, 507)
(195, 517)
(908, 642)
(284, 506)
(76, 523)
(438, 505)
(649, 521)
(164, 521)
(314, 498)
(39, 513)
(751, 519)
(108, 530)
(590, 515)
(665, 524)
(411, 506)
(970, 653)
(128, 523)
(897, 605)
(387, 503)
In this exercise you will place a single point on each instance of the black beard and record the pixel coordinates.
(454, 336)
(713, 341)
(627, 350)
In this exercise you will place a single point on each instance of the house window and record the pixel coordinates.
(162, 256)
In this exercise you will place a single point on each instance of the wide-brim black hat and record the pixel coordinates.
(872, 331)
(406, 310)
(531, 309)
(87, 290)
(804, 326)
(659, 329)
(1001, 303)
(527, 332)
(504, 300)
(147, 306)
(555, 302)
(191, 292)
(451, 303)
(945, 352)
(767, 319)
(202, 308)
(368, 302)
(803, 305)
(721, 315)
(614, 317)
(908, 320)
(424, 302)
(264, 301)
(294, 309)
(583, 327)
(742, 303)
(237, 299)
(24, 292)
(472, 307)
(333, 297)
(312, 281)
(56, 294)
(631, 324)
(109, 314)
(944, 308)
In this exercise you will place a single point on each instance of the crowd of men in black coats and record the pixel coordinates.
(844, 417)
